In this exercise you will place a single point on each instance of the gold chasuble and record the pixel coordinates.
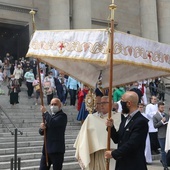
(91, 142)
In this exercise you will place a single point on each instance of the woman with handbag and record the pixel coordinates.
(37, 89)
(14, 89)
(49, 86)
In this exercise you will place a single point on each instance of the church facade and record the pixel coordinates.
(146, 18)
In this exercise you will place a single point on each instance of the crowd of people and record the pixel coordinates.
(152, 107)
(138, 132)
(141, 132)
(54, 83)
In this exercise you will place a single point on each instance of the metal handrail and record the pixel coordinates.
(12, 133)
(16, 161)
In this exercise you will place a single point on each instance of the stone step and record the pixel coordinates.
(33, 162)
(30, 143)
(69, 130)
(32, 125)
(19, 120)
(66, 166)
(27, 118)
(22, 119)
(156, 157)
(28, 114)
(6, 133)
(32, 155)
(6, 137)
(35, 109)
(29, 149)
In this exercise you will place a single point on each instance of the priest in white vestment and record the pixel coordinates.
(91, 141)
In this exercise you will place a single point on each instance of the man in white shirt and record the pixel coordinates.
(150, 111)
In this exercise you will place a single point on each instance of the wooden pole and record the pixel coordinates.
(111, 51)
(41, 92)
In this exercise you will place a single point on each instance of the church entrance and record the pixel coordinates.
(14, 39)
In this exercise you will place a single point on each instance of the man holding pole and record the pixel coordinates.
(130, 137)
(55, 126)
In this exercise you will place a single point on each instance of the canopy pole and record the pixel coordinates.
(32, 12)
(112, 7)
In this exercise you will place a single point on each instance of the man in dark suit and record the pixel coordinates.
(130, 137)
(55, 126)
(137, 91)
(160, 120)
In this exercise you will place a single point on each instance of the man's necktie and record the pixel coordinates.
(163, 114)
(128, 119)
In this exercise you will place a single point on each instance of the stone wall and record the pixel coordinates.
(17, 12)
(140, 17)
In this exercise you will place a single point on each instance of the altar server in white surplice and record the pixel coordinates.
(91, 141)
(150, 111)
(148, 155)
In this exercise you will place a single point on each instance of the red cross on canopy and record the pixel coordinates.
(61, 46)
(149, 55)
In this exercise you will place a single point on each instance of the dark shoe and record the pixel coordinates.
(157, 152)
(153, 153)
(148, 163)
(166, 168)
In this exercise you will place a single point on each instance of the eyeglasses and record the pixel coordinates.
(104, 103)
(53, 104)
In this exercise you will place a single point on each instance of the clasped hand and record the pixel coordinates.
(42, 126)
(109, 123)
(164, 119)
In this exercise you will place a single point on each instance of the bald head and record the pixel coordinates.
(56, 102)
(129, 102)
(132, 97)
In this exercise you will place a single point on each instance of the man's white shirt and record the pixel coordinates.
(150, 111)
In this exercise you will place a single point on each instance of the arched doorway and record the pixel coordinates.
(14, 39)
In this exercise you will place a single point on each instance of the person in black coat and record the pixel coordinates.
(137, 91)
(130, 137)
(55, 126)
(59, 88)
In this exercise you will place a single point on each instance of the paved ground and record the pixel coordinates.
(156, 165)
(4, 101)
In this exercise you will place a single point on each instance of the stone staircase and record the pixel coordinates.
(27, 119)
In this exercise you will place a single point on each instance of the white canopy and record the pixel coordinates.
(84, 53)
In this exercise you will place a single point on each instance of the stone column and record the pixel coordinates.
(164, 20)
(149, 25)
(59, 14)
(81, 14)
